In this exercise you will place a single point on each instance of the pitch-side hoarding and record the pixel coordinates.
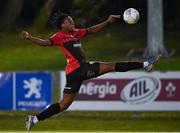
(25, 90)
(129, 91)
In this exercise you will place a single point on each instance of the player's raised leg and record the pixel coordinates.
(119, 67)
(126, 66)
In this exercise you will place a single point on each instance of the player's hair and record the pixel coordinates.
(58, 18)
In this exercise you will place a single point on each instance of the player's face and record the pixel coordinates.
(68, 24)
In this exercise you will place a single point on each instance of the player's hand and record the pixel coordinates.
(112, 18)
(25, 35)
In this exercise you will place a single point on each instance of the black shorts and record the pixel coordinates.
(86, 71)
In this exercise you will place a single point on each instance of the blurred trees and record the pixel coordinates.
(23, 12)
(63, 5)
(18, 12)
(10, 10)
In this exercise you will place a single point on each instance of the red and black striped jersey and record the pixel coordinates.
(69, 44)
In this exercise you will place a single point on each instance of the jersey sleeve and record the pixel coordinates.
(81, 33)
(56, 39)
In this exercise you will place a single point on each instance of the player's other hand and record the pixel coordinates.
(25, 35)
(112, 18)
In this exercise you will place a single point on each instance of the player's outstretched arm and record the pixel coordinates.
(98, 27)
(42, 42)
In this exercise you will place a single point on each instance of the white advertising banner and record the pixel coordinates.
(129, 91)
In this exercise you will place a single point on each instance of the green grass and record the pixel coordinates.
(96, 121)
(108, 45)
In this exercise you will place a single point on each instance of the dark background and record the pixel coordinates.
(22, 13)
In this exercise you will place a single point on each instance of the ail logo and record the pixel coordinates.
(141, 90)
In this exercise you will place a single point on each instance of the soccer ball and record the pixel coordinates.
(131, 16)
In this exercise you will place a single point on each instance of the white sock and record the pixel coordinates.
(145, 64)
(35, 120)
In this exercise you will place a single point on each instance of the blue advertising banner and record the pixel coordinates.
(6, 91)
(33, 90)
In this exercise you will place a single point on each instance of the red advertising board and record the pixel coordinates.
(130, 91)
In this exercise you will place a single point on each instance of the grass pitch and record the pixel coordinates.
(96, 122)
